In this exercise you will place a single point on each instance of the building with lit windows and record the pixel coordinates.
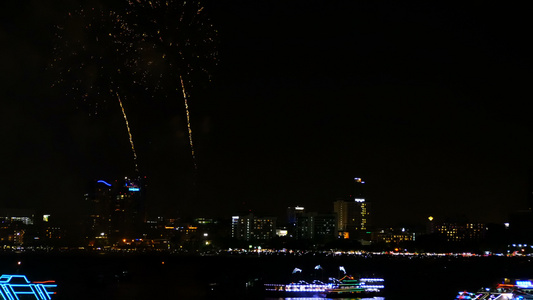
(462, 232)
(393, 236)
(253, 228)
(99, 203)
(23, 216)
(317, 227)
(353, 213)
(116, 210)
(293, 213)
(14, 225)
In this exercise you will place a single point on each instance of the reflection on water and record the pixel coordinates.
(136, 277)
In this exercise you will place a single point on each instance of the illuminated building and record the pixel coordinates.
(252, 228)
(15, 224)
(459, 232)
(318, 227)
(128, 215)
(353, 214)
(100, 202)
(430, 225)
(293, 213)
(116, 210)
(204, 221)
(22, 216)
(393, 236)
(341, 207)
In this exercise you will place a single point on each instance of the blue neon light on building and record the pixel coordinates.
(134, 189)
(13, 285)
(101, 181)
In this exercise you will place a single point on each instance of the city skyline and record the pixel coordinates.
(422, 101)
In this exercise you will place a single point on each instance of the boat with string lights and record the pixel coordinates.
(508, 290)
(347, 286)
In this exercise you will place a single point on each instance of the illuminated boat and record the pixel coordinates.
(520, 290)
(19, 287)
(297, 289)
(347, 286)
(362, 287)
(466, 296)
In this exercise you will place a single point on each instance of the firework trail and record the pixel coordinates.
(149, 43)
(188, 123)
(129, 134)
(171, 40)
(91, 59)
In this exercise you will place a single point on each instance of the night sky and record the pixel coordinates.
(428, 103)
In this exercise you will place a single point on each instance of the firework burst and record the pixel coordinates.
(90, 58)
(86, 55)
(174, 46)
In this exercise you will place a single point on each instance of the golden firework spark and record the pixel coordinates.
(188, 123)
(129, 133)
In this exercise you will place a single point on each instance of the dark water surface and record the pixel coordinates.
(161, 276)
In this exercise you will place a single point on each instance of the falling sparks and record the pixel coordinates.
(91, 57)
(188, 124)
(165, 40)
(129, 134)
(147, 44)
(170, 40)
(88, 57)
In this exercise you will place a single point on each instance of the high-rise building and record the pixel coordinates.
(358, 188)
(293, 213)
(362, 211)
(317, 227)
(14, 225)
(352, 213)
(341, 208)
(253, 228)
(100, 203)
(116, 210)
(128, 215)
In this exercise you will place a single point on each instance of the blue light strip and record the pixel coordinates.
(101, 181)
(43, 295)
(10, 291)
(6, 293)
(2, 294)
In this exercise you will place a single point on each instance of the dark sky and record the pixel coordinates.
(429, 103)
